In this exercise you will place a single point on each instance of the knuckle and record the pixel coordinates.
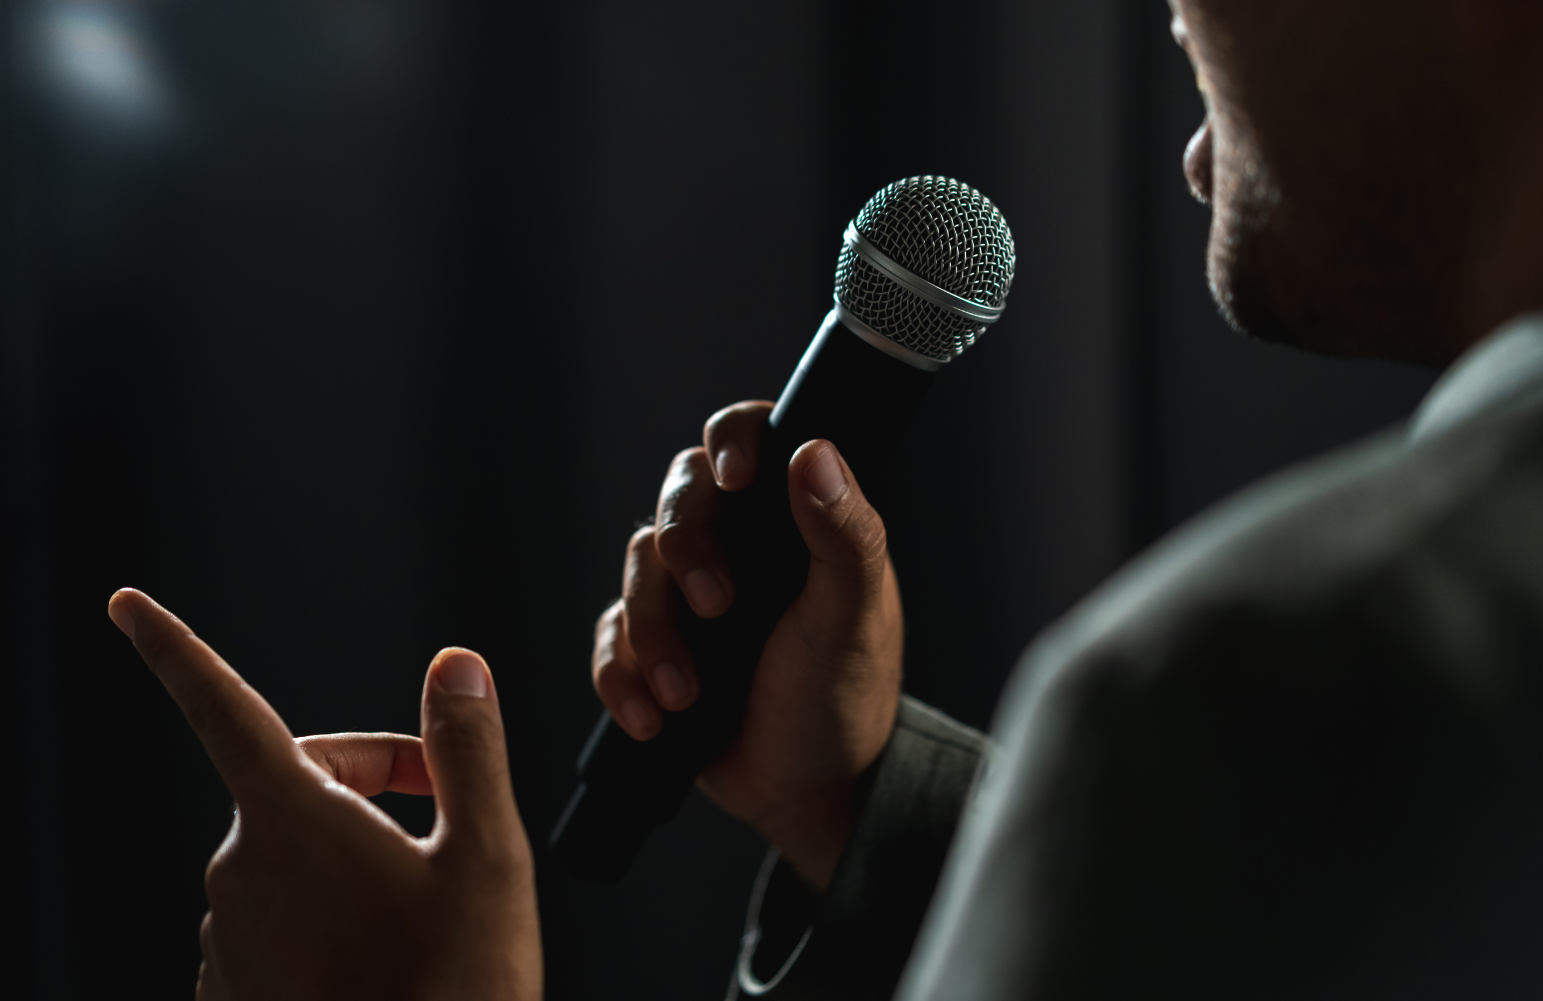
(678, 542)
(640, 538)
(641, 552)
(719, 419)
(741, 420)
(220, 878)
(154, 644)
(637, 590)
(203, 704)
(683, 461)
(721, 426)
(604, 674)
(687, 477)
(455, 733)
(503, 862)
(867, 536)
(607, 623)
(607, 628)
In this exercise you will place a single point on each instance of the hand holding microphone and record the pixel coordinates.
(739, 688)
(823, 697)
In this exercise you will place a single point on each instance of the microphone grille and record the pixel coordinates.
(944, 232)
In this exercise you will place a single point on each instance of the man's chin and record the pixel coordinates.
(1356, 331)
(1248, 309)
(1280, 293)
(1261, 309)
(1239, 268)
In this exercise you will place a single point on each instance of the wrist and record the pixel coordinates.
(812, 830)
(813, 834)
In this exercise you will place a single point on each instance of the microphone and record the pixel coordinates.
(923, 270)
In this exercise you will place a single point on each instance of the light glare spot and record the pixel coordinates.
(99, 63)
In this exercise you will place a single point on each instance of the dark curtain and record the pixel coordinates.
(352, 329)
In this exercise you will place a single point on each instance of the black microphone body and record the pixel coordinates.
(861, 399)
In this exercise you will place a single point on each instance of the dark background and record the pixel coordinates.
(351, 329)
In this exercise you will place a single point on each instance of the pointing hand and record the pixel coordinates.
(316, 893)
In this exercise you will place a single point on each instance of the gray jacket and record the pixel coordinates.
(1295, 750)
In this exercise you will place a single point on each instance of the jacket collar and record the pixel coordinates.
(1496, 372)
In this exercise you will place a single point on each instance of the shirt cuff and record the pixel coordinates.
(853, 942)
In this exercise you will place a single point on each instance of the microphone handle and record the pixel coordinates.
(862, 399)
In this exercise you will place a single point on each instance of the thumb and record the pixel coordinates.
(468, 762)
(845, 536)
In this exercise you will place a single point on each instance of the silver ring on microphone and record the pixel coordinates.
(927, 290)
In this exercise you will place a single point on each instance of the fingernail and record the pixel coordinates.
(119, 612)
(670, 684)
(705, 591)
(636, 716)
(824, 476)
(463, 674)
(729, 463)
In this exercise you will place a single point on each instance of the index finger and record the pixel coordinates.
(371, 763)
(732, 438)
(247, 741)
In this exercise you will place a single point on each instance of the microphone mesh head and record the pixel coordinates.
(943, 231)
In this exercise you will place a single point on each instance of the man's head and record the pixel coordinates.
(1375, 168)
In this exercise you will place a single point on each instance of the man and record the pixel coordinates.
(1292, 751)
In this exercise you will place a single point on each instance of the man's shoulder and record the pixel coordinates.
(1384, 527)
(1303, 728)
